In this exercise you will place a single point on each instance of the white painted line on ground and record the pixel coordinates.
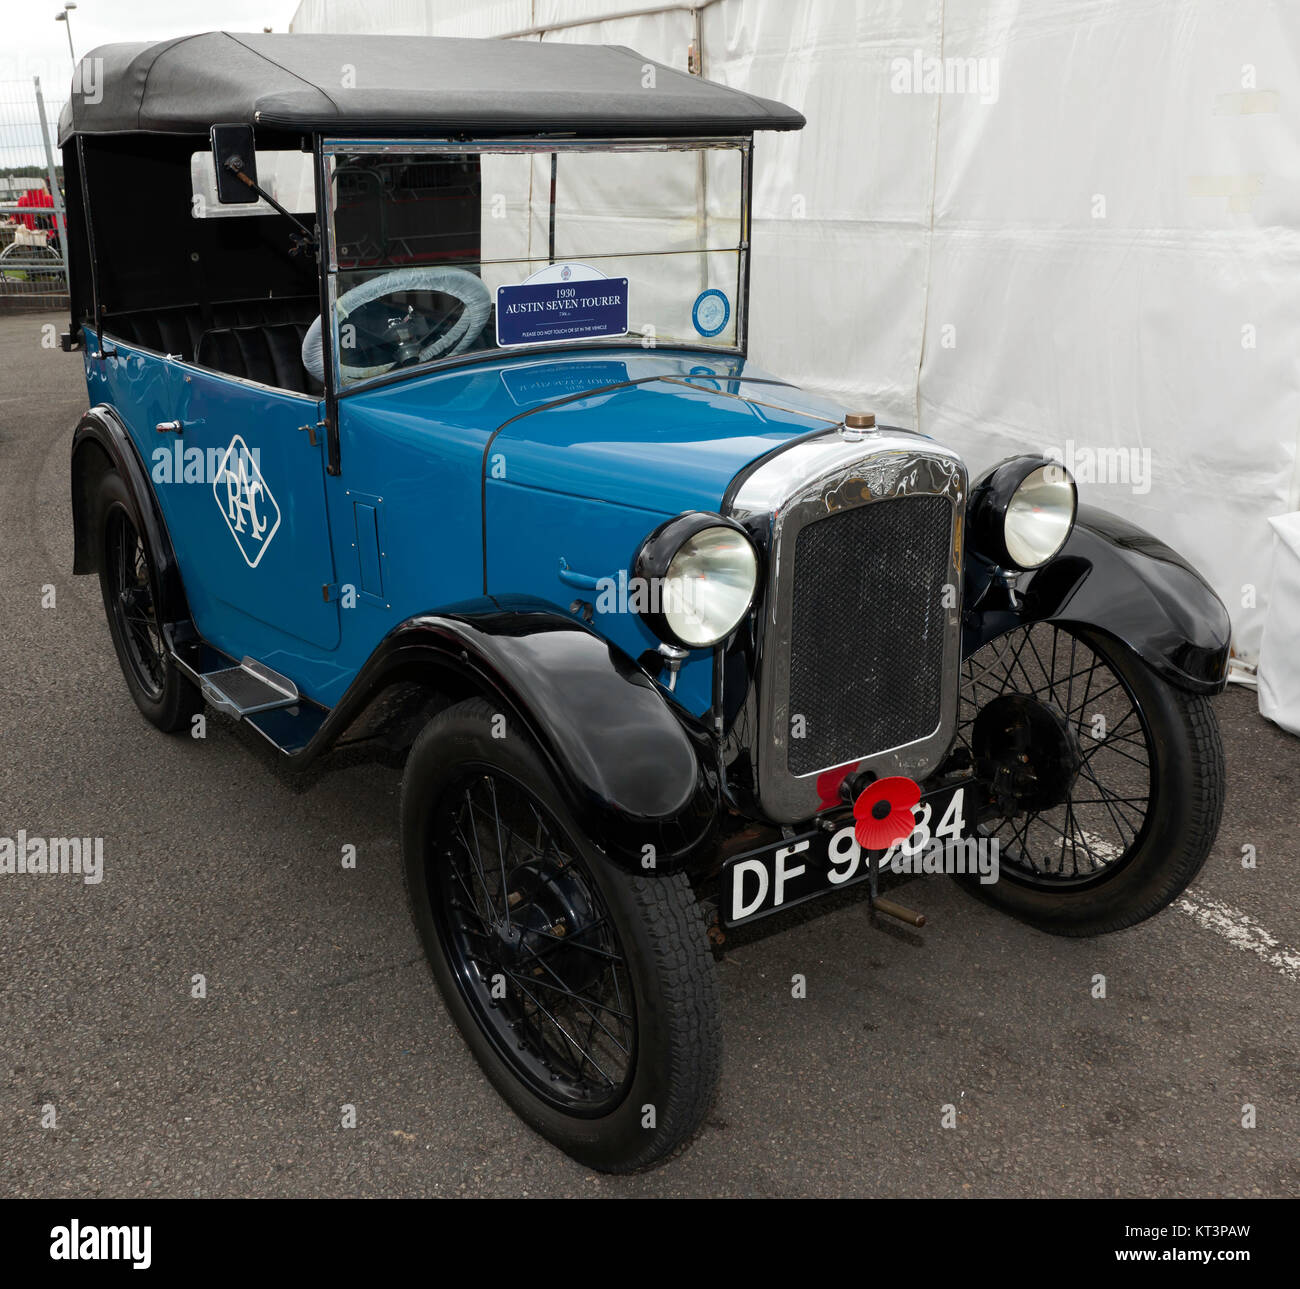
(1240, 931)
(1237, 928)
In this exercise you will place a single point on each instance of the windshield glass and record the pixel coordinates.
(446, 250)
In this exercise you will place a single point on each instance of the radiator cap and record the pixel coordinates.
(857, 424)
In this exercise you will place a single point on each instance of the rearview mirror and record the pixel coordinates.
(232, 151)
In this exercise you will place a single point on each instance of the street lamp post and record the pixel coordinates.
(67, 22)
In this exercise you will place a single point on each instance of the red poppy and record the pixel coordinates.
(828, 785)
(884, 812)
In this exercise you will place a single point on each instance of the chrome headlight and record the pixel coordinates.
(700, 571)
(1022, 511)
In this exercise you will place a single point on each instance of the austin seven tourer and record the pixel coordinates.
(421, 423)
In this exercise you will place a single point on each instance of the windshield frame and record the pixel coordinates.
(330, 147)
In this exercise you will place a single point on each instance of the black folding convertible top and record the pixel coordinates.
(402, 84)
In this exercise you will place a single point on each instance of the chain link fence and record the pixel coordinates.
(33, 264)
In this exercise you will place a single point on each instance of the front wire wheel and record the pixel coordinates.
(532, 944)
(1110, 780)
(588, 994)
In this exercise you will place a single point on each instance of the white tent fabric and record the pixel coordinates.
(1279, 676)
(1019, 225)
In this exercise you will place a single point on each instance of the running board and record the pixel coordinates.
(288, 722)
(245, 690)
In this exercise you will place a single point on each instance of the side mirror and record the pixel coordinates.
(232, 152)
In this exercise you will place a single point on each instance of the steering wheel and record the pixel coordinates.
(393, 335)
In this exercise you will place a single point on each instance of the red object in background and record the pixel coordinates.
(884, 812)
(36, 197)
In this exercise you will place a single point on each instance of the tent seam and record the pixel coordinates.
(929, 259)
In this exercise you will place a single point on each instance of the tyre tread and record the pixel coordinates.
(692, 997)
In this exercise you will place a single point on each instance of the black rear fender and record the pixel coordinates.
(99, 444)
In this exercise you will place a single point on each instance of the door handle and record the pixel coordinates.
(169, 427)
(583, 581)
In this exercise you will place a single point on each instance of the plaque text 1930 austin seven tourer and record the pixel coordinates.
(421, 421)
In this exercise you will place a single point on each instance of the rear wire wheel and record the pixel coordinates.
(1113, 778)
(128, 582)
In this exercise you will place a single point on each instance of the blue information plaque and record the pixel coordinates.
(540, 312)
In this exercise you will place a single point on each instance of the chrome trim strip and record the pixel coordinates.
(534, 143)
(132, 346)
(807, 482)
(311, 399)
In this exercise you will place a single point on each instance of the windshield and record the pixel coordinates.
(442, 250)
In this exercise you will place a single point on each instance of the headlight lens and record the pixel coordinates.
(709, 586)
(1039, 516)
(1022, 511)
(702, 571)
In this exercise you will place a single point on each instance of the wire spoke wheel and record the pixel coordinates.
(1090, 733)
(29, 262)
(131, 601)
(532, 944)
(584, 988)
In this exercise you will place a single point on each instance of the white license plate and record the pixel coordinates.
(820, 861)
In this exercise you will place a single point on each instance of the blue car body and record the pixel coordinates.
(451, 454)
(343, 517)
(521, 476)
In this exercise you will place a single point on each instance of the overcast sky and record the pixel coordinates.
(34, 44)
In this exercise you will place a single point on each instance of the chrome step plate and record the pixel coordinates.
(251, 687)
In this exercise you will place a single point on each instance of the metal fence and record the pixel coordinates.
(33, 233)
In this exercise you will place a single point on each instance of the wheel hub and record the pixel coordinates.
(1027, 751)
(510, 939)
(135, 599)
(548, 904)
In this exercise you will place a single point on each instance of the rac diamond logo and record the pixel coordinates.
(246, 503)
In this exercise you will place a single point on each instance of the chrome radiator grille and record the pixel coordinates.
(856, 662)
(867, 630)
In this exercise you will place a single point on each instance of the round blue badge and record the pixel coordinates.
(711, 313)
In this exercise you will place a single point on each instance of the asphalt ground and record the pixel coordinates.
(318, 995)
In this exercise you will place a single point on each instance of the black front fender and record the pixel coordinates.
(1118, 579)
(636, 769)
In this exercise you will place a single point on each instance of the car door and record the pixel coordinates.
(247, 517)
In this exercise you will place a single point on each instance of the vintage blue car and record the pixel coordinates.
(421, 423)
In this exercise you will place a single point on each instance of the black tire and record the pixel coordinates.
(126, 569)
(671, 1049)
(1182, 763)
